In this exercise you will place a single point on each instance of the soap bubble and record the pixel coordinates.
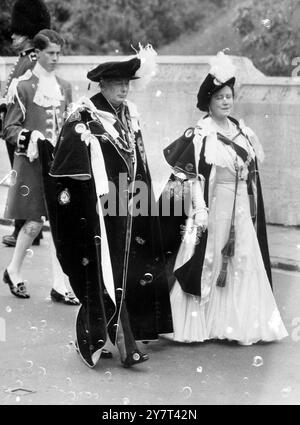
(30, 364)
(108, 375)
(42, 371)
(285, 392)
(187, 392)
(72, 395)
(257, 361)
(24, 190)
(29, 253)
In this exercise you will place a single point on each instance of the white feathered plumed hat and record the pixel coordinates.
(221, 73)
(139, 68)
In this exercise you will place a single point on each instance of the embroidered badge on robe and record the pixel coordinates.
(80, 128)
(189, 133)
(64, 197)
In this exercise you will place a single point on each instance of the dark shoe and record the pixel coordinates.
(36, 242)
(19, 290)
(134, 358)
(68, 298)
(105, 354)
(9, 240)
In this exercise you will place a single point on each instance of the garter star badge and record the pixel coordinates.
(64, 197)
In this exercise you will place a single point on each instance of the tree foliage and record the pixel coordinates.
(109, 26)
(270, 34)
(112, 26)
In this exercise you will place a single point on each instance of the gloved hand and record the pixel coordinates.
(32, 150)
(201, 219)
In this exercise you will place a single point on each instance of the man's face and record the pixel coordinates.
(48, 58)
(115, 91)
(19, 42)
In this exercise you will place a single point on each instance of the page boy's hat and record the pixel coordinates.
(29, 17)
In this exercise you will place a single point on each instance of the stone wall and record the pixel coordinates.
(269, 105)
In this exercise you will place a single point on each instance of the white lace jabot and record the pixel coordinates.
(48, 92)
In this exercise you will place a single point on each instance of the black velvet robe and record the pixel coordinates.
(72, 208)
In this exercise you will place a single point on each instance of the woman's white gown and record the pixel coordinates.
(245, 309)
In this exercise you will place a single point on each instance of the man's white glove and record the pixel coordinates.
(32, 150)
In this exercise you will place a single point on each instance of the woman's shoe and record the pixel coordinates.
(19, 290)
(134, 358)
(68, 298)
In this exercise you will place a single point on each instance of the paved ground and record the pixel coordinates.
(36, 354)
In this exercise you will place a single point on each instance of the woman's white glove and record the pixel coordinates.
(32, 150)
(201, 219)
(199, 207)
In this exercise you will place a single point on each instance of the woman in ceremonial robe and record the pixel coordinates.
(223, 286)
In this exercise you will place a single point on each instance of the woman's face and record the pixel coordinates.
(221, 103)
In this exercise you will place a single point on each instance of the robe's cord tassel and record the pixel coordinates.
(221, 281)
(227, 252)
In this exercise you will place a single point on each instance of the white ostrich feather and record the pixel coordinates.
(148, 68)
(222, 68)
